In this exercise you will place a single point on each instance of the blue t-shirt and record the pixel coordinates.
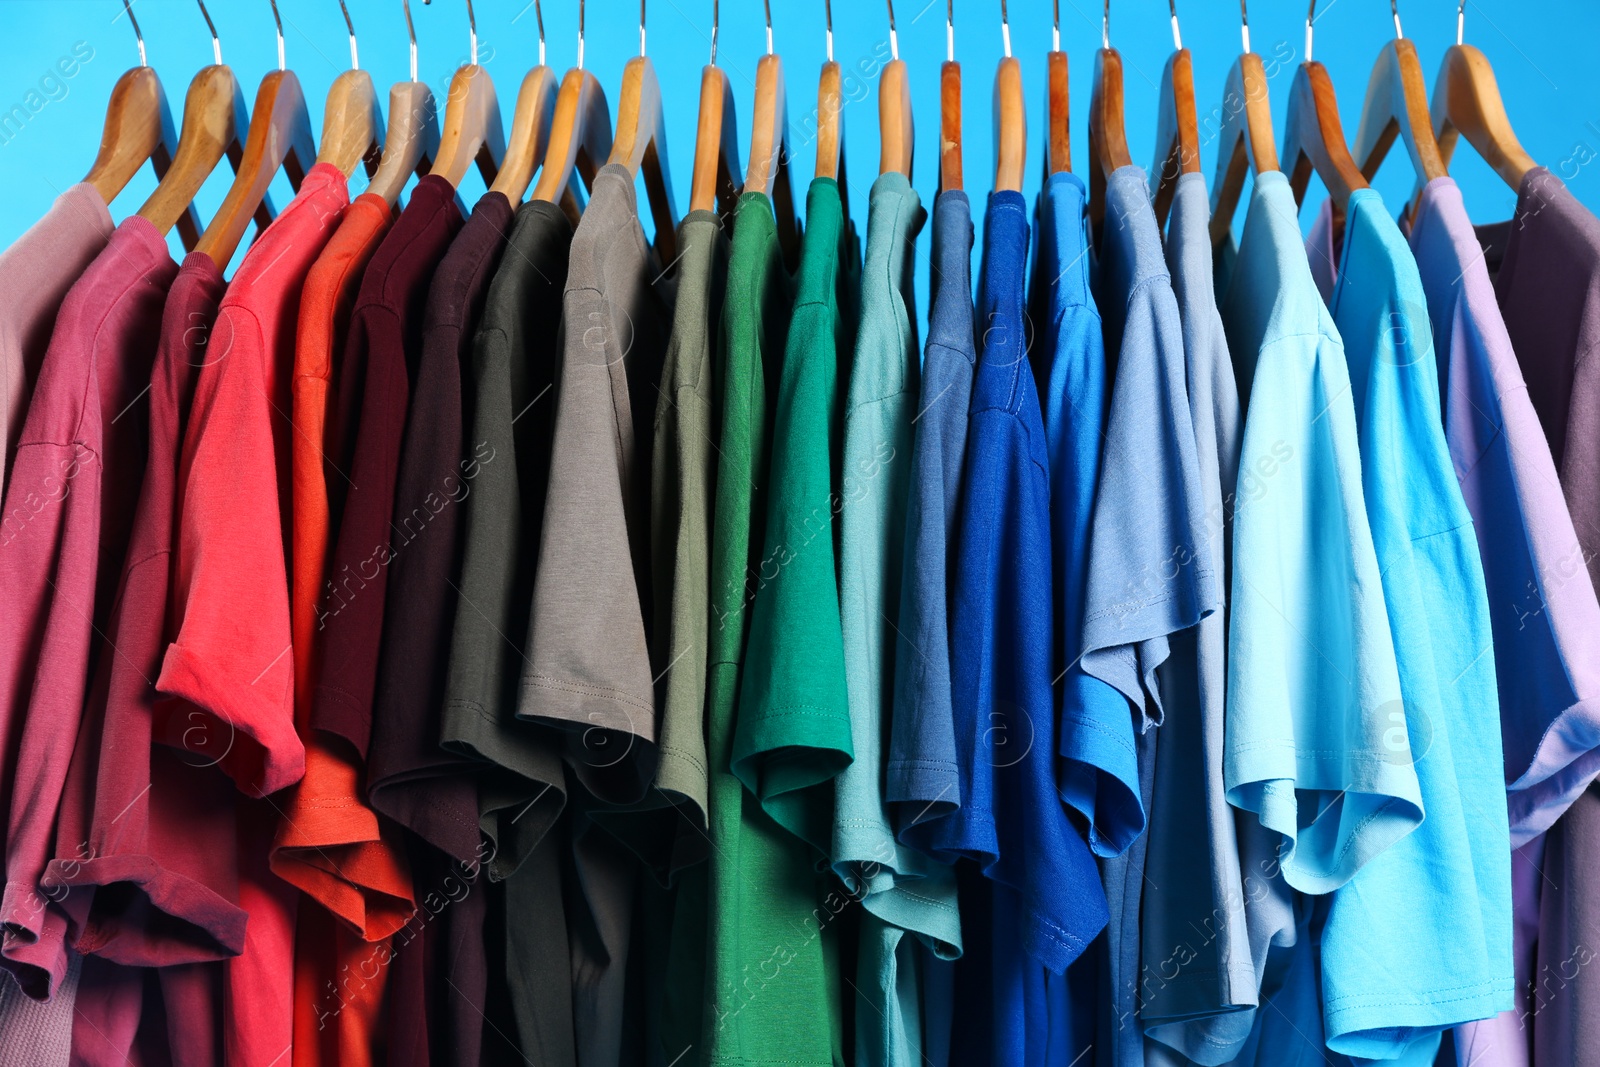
(921, 779)
(1048, 901)
(1149, 574)
(1420, 938)
(1316, 746)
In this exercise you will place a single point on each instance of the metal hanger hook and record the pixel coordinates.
(1177, 38)
(1394, 9)
(580, 34)
(279, 22)
(538, 17)
(1055, 26)
(355, 59)
(216, 42)
(1311, 18)
(1461, 18)
(1005, 28)
(138, 35)
(950, 30)
(1105, 25)
(1244, 25)
(894, 38)
(716, 17)
(641, 28)
(411, 32)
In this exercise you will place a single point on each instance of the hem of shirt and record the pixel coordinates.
(1376, 1025)
(603, 706)
(35, 948)
(1572, 743)
(175, 896)
(265, 724)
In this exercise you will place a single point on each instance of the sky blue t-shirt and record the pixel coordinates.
(903, 891)
(921, 779)
(1149, 572)
(1316, 745)
(1195, 930)
(1048, 901)
(1420, 938)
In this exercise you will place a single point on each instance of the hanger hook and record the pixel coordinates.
(1105, 25)
(538, 16)
(1461, 17)
(580, 34)
(716, 17)
(1311, 18)
(1394, 9)
(894, 38)
(138, 34)
(768, 5)
(1244, 25)
(279, 22)
(472, 32)
(216, 42)
(355, 59)
(1005, 28)
(950, 30)
(641, 28)
(1055, 26)
(1177, 38)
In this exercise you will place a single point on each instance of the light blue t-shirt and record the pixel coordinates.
(1150, 574)
(902, 890)
(1420, 938)
(1317, 746)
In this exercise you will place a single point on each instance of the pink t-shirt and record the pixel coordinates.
(68, 508)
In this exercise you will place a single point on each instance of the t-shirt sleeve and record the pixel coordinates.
(231, 658)
(1316, 743)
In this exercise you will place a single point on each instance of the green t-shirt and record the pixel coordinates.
(772, 982)
(793, 734)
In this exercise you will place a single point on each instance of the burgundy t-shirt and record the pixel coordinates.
(1546, 263)
(68, 507)
(385, 342)
(148, 821)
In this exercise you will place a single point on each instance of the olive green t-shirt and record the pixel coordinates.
(793, 735)
(772, 983)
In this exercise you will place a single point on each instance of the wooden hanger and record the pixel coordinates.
(950, 107)
(1177, 125)
(769, 146)
(715, 186)
(1108, 131)
(1396, 105)
(214, 125)
(138, 127)
(412, 141)
(895, 129)
(1466, 102)
(1245, 143)
(830, 120)
(641, 143)
(471, 131)
(1313, 138)
(280, 136)
(1058, 153)
(352, 128)
(1010, 116)
(530, 126)
(580, 136)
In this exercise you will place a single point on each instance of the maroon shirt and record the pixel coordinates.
(413, 779)
(384, 344)
(151, 822)
(68, 506)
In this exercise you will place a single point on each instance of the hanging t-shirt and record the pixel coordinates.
(1434, 911)
(772, 925)
(1047, 902)
(36, 272)
(587, 664)
(1317, 748)
(903, 891)
(522, 786)
(921, 779)
(230, 661)
(1150, 573)
(1545, 263)
(1196, 945)
(383, 347)
(69, 506)
(1565, 1015)
(793, 732)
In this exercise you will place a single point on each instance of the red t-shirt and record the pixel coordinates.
(68, 506)
(231, 661)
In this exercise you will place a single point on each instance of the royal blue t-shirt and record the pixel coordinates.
(1048, 903)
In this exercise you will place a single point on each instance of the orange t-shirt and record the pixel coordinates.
(330, 843)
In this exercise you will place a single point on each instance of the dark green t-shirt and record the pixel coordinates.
(793, 734)
(772, 981)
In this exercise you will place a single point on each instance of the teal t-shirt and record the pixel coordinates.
(904, 891)
(1316, 746)
(1420, 938)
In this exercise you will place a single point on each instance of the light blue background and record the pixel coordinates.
(1543, 52)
